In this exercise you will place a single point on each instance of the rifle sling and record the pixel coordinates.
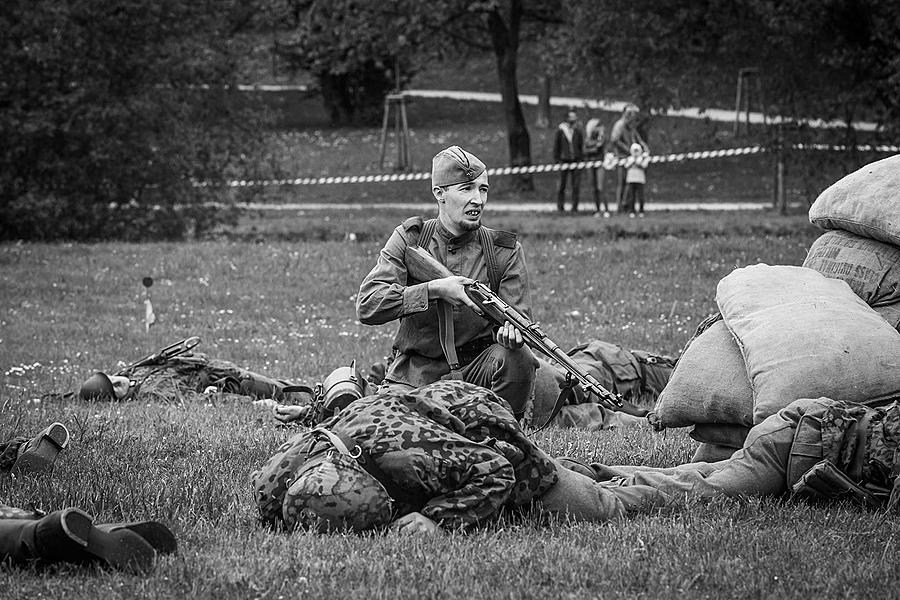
(566, 393)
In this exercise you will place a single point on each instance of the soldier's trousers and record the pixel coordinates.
(775, 454)
(578, 497)
(508, 373)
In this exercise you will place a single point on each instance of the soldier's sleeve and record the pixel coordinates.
(384, 295)
(479, 483)
(514, 282)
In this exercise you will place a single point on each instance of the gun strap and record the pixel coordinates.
(447, 336)
(566, 392)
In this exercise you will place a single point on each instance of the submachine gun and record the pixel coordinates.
(422, 266)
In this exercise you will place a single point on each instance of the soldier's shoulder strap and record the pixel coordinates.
(420, 230)
(489, 239)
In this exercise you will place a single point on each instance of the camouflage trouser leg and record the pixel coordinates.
(270, 484)
(508, 373)
(9, 452)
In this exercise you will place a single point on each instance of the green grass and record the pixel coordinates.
(278, 299)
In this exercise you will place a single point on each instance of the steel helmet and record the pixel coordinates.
(98, 387)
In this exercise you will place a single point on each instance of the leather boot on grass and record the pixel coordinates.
(70, 536)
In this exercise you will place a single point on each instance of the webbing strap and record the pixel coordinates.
(490, 259)
(427, 233)
(355, 451)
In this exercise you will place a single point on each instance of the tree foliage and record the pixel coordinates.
(105, 123)
(835, 59)
(352, 45)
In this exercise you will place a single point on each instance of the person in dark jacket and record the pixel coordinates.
(568, 147)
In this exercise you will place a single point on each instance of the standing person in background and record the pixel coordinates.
(624, 133)
(635, 178)
(568, 147)
(594, 146)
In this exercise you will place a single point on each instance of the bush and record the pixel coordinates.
(106, 127)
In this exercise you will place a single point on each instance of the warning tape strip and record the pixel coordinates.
(607, 163)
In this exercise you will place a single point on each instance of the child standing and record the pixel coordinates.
(635, 178)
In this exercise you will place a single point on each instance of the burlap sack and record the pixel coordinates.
(865, 202)
(804, 335)
(871, 268)
(890, 313)
(720, 434)
(709, 384)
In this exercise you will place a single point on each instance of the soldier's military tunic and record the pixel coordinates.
(389, 293)
(453, 446)
(860, 441)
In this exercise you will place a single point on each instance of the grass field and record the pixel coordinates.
(277, 296)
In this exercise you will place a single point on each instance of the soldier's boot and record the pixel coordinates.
(69, 535)
(154, 533)
(39, 454)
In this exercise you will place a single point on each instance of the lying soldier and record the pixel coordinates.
(817, 448)
(636, 375)
(70, 535)
(449, 454)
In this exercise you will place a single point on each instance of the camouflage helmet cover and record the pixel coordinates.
(333, 492)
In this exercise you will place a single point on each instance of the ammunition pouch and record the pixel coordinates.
(824, 481)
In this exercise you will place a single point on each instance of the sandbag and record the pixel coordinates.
(709, 384)
(890, 313)
(871, 268)
(720, 434)
(803, 335)
(865, 202)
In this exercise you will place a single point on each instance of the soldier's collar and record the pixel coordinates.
(462, 240)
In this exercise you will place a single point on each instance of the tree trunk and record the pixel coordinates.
(505, 38)
(336, 98)
(543, 112)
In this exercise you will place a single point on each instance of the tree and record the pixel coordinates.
(350, 37)
(837, 60)
(106, 127)
(351, 48)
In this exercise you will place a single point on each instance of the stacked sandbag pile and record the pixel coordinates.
(786, 333)
(861, 214)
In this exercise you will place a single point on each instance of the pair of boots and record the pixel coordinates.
(70, 535)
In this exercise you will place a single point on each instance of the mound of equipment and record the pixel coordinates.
(828, 328)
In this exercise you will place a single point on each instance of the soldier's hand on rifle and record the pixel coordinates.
(509, 337)
(452, 290)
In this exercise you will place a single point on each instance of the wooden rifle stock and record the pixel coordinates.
(422, 266)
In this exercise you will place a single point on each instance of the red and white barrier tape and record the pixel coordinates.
(607, 164)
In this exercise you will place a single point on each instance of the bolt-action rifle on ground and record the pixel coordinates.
(422, 266)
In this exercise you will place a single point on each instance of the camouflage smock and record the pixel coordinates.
(453, 444)
(839, 441)
(388, 293)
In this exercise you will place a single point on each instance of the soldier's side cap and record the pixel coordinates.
(453, 165)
